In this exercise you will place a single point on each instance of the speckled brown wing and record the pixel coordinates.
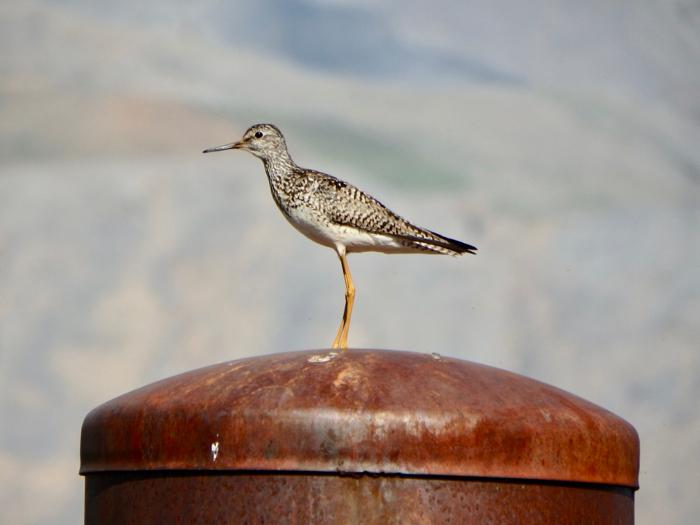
(349, 206)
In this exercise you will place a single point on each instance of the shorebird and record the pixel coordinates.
(335, 213)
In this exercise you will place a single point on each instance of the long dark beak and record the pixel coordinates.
(232, 145)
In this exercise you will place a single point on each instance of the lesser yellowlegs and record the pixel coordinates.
(336, 214)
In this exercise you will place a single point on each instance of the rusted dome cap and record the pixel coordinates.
(361, 411)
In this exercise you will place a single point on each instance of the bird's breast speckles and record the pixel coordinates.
(297, 191)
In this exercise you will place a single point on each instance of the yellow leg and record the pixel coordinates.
(341, 338)
(349, 301)
(336, 341)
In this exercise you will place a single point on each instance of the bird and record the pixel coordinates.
(336, 214)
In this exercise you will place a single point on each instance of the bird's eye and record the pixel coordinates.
(258, 134)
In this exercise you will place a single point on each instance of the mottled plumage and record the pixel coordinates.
(336, 214)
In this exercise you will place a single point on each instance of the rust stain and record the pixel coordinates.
(394, 412)
(257, 498)
(362, 414)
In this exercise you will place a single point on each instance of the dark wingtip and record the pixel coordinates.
(453, 245)
(459, 246)
(456, 246)
(468, 248)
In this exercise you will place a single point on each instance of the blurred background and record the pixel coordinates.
(560, 137)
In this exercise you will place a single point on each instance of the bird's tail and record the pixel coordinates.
(436, 243)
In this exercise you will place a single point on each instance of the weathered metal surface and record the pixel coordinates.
(285, 498)
(360, 411)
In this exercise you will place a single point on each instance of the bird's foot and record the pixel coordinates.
(340, 342)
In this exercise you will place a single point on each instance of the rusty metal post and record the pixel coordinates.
(364, 437)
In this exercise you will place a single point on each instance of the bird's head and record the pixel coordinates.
(264, 141)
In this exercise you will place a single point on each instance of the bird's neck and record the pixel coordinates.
(278, 166)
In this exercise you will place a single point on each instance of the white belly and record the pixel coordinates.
(333, 235)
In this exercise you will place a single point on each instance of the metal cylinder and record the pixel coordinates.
(363, 436)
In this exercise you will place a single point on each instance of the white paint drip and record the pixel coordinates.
(214, 450)
(546, 415)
